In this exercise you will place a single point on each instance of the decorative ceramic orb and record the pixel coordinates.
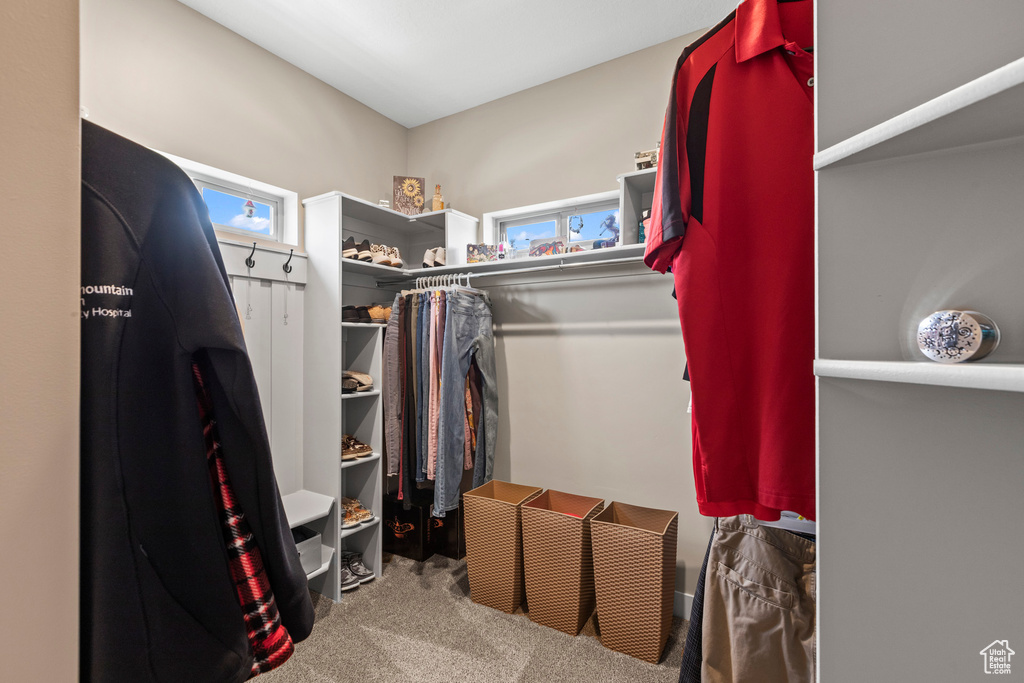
(957, 336)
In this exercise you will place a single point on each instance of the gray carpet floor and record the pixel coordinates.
(417, 624)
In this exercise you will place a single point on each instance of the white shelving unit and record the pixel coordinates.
(332, 347)
(918, 209)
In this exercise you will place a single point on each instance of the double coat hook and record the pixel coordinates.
(249, 262)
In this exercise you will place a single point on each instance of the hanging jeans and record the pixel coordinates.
(393, 387)
(422, 385)
(467, 337)
(759, 598)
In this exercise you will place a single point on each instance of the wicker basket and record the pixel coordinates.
(494, 543)
(558, 560)
(635, 573)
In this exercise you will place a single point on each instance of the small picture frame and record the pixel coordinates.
(408, 195)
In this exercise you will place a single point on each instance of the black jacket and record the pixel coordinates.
(157, 602)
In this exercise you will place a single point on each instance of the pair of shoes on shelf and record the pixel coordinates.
(383, 255)
(355, 513)
(433, 257)
(380, 254)
(359, 252)
(352, 381)
(352, 571)
(379, 313)
(374, 313)
(351, 448)
(355, 314)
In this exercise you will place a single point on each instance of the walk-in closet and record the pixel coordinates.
(530, 342)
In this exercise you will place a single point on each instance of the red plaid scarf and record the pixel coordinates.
(270, 641)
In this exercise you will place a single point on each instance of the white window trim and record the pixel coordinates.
(491, 223)
(287, 201)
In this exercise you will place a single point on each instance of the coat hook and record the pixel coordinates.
(249, 262)
(286, 268)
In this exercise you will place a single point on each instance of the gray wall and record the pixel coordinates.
(591, 391)
(39, 356)
(167, 77)
(565, 138)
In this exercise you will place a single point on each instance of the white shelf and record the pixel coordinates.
(345, 464)
(361, 394)
(305, 506)
(980, 375)
(596, 256)
(376, 326)
(326, 553)
(351, 265)
(345, 533)
(987, 109)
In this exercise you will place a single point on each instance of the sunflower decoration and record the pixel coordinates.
(408, 194)
(411, 188)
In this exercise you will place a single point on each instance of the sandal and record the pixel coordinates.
(363, 382)
(350, 520)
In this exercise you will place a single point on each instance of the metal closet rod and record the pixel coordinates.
(536, 269)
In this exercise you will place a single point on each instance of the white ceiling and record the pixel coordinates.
(416, 61)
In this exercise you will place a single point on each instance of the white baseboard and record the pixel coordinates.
(682, 605)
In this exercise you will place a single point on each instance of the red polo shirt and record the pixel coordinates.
(733, 218)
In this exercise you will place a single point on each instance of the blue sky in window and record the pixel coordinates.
(593, 224)
(521, 236)
(228, 209)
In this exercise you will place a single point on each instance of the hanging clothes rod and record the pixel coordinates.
(629, 260)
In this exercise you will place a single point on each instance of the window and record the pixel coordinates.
(241, 211)
(581, 225)
(244, 206)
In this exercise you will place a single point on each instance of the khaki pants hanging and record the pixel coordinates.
(759, 598)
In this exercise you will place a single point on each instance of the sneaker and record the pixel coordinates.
(348, 579)
(379, 254)
(354, 561)
(348, 248)
(428, 258)
(363, 251)
(395, 257)
(439, 256)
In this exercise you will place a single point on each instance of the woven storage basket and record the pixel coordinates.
(635, 574)
(494, 543)
(558, 560)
